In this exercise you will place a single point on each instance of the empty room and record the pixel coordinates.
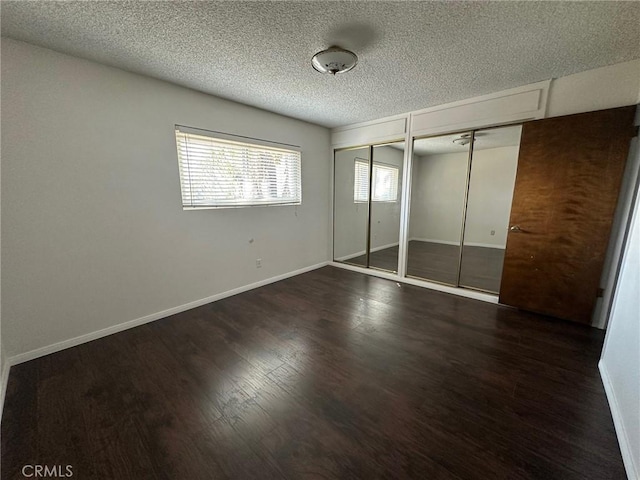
(320, 240)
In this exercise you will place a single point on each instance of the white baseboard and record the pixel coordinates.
(633, 472)
(383, 247)
(4, 378)
(350, 256)
(485, 245)
(72, 342)
(448, 242)
(375, 249)
(432, 240)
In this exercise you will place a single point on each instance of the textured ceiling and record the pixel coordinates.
(413, 55)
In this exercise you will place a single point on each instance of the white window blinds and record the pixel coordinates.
(218, 170)
(384, 183)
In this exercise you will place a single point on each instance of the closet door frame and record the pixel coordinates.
(405, 205)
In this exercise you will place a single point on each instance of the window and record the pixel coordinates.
(219, 170)
(384, 184)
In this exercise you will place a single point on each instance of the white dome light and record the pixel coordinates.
(334, 60)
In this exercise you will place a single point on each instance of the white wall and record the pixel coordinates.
(3, 360)
(94, 233)
(620, 363)
(4, 377)
(351, 218)
(624, 208)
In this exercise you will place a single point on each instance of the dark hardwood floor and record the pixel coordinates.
(327, 375)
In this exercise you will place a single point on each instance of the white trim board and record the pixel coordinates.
(515, 105)
(633, 471)
(375, 131)
(72, 342)
(528, 102)
(460, 292)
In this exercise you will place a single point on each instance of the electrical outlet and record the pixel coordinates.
(258, 263)
(493, 232)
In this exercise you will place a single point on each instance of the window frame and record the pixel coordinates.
(236, 141)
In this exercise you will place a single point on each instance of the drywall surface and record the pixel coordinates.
(351, 217)
(3, 359)
(4, 377)
(607, 87)
(624, 208)
(621, 354)
(94, 234)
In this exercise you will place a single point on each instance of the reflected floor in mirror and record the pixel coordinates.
(433, 261)
(385, 259)
(331, 374)
(481, 266)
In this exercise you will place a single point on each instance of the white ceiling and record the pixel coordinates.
(413, 55)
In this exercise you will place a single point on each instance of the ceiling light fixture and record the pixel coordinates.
(334, 60)
(464, 139)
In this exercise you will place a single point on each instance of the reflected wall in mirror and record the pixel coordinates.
(350, 206)
(493, 172)
(385, 205)
(438, 191)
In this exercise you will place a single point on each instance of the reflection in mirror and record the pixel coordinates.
(493, 173)
(438, 189)
(385, 205)
(350, 206)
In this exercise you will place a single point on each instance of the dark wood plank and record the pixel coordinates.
(19, 433)
(331, 374)
(569, 174)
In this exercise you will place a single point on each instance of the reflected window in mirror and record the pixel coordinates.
(384, 183)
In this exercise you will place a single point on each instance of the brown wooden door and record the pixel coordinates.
(569, 174)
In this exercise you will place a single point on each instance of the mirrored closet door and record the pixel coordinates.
(491, 182)
(438, 195)
(367, 193)
(461, 192)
